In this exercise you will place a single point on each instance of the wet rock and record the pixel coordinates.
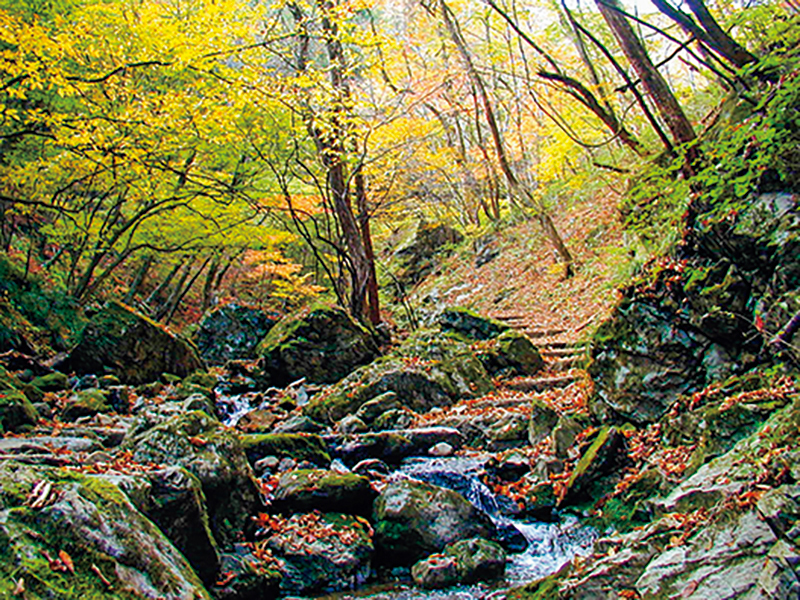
(372, 409)
(318, 489)
(441, 449)
(248, 578)
(436, 571)
(97, 525)
(566, 432)
(132, 347)
(542, 421)
(351, 424)
(322, 345)
(508, 468)
(394, 418)
(299, 424)
(322, 553)
(51, 382)
(426, 371)
(215, 456)
(260, 420)
(414, 519)
(477, 560)
(232, 332)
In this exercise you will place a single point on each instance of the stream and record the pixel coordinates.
(548, 545)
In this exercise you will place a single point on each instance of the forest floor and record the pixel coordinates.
(525, 286)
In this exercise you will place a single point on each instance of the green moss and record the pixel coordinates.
(542, 589)
(299, 446)
(589, 456)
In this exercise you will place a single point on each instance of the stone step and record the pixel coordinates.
(540, 384)
(561, 349)
(565, 364)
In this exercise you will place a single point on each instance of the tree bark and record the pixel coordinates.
(654, 83)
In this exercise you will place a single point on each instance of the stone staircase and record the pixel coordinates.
(563, 355)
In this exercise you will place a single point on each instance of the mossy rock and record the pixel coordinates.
(299, 446)
(469, 324)
(96, 525)
(478, 560)
(413, 519)
(322, 344)
(133, 347)
(51, 382)
(601, 457)
(86, 403)
(306, 490)
(428, 370)
(16, 411)
(212, 453)
(416, 254)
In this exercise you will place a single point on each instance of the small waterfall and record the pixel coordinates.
(548, 545)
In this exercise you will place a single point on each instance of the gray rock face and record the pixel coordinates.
(692, 322)
(132, 347)
(414, 519)
(232, 332)
(417, 255)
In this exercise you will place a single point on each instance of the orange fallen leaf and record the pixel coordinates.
(66, 559)
(198, 441)
(226, 578)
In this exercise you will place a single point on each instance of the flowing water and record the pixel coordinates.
(549, 545)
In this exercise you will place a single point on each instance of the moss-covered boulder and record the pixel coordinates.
(543, 420)
(426, 371)
(306, 490)
(68, 536)
(85, 403)
(322, 344)
(512, 353)
(416, 253)
(16, 411)
(478, 560)
(120, 341)
(414, 519)
(213, 454)
(299, 446)
(435, 572)
(323, 553)
(469, 324)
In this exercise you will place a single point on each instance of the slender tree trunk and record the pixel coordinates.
(166, 283)
(165, 308)
(373, 300)
(515, 188)
(173, 308)
(652, 80)
(138, 279)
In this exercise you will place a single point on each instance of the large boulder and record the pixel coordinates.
(134, 348)
(232, 332)
(213, 454)
(322, 552)
(68, 536)
(173, 499)
(322, 344)
(468, 323)
(428, 370)
(416, 254)
(16, 411)
(415, 519)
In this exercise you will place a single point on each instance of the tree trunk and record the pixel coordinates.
(373, 300)
(654, 83)
(514, 186)
(138, 279)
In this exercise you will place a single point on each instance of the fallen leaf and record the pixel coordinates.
(19, 589)
(67, 560)
(96, 570)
